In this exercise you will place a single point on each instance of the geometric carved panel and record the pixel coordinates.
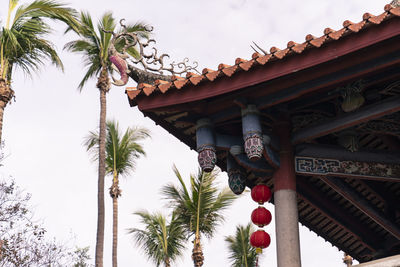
(345, 168)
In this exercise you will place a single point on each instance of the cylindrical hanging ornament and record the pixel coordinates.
(252, 133)
(236, 174)
(206, 145)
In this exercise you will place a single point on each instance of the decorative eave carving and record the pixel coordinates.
(347, 168)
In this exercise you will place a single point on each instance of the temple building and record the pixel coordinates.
(318, 122)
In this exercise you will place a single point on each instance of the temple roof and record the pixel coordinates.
(311, 44)
(359, 215)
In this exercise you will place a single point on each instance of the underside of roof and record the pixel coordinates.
(312, 82)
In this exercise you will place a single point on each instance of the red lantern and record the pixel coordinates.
(260, 239)
(261, 216)
(261, 193)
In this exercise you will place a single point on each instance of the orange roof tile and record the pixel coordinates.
(311, 41)
(163, 86)
(132, 92)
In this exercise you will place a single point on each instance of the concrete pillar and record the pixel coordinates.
(286, 213)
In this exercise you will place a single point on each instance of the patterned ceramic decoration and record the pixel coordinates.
(207, 158)
(253, 146)
(345, 168)
(237, 181)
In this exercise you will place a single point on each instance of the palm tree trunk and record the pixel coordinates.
(115, 232)
(2, 106)
(115, 192)
(197, 253)
(243, 247)
(6, 93)
(103, 85)
(167, 262)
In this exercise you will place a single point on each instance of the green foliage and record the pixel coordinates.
(23, 242)
(94, 42)
(22, 39)
(200, 209)
(81, 257)
(122, 150)
(241, 253)
(161, 241)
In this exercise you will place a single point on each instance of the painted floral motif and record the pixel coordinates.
(207, 158)
(346, 168)
(253, 146)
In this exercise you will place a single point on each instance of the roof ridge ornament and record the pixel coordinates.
(395, 3)
(259, 49)
(152, 65)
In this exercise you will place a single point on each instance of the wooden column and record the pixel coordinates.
(286, 213)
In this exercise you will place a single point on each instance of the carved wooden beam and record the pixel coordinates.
(345, 168)
(225, 142)
(390, 201)
(391, 142)
(362, 204)
(345, 121)
(339, 153)
(271, 156)
(258, 166)
(335, 213)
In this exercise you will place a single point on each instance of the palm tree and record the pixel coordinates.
(23, 43)
(94, 45)
(241, 253)
(200, 210)
(161, 242)
(122, 151)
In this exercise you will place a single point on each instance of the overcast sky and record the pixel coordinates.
(43, 130)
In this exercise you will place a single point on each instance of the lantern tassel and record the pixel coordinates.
(258, 250)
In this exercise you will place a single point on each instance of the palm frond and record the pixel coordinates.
(122, 150)
(94, 42)
(107, 23)
(91, 143)
(241, 253)
(91, 61)
(203, 204)
(45, 9)
(159, 239)
(23, 40)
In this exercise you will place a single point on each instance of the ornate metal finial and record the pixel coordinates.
(395, 3)
(147, 58)
(259, 48)
(348, 260)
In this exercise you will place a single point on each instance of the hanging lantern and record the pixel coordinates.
(260, 239)
(237, 176)
(261, 193)
(206, 145)
(252, 133)
(261, 216)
